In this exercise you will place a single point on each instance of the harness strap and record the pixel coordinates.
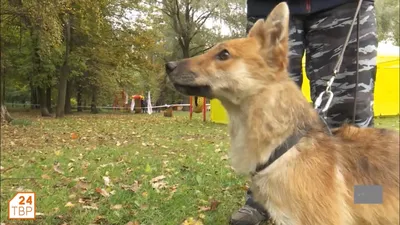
(291, 141)
(280, 150)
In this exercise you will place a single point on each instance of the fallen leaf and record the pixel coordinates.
(85, 200)
(69, 204)
(204, 208)
(45, 176)
(134, 187)
(56, 168)
(74, 136)
(116, 207)
(102, 192)
(214, 204)
(158, 183)
(224, 157)
(144, 207)
(133, 223)
(94, 207)
(156, 179)
(199, 179)
(148, 168)
(100, 220)
(39, 214)
(82, 185)
(107, 181)
(192, 221)
(72, 196)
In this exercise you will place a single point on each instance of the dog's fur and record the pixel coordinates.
(313, 182)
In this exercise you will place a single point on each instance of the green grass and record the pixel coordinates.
(130, 150)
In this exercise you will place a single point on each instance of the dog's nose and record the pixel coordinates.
(170, 66)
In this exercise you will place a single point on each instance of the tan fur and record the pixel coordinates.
(312, 183)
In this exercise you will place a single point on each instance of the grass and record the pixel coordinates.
(98, 169)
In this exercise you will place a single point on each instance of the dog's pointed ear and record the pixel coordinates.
(273, 35)
(277, 26)
(258, 32)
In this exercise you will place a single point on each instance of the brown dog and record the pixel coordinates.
(313, 181)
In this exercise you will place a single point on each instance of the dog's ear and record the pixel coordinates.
(277, 26)
(273, 35)
(259, 32)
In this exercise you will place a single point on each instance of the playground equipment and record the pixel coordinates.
(199, 106)
(386, 96)
(137, 103)
(124, 101)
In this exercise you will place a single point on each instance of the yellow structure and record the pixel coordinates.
(198, 105)
(386, 97)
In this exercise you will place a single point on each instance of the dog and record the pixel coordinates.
(301, 173)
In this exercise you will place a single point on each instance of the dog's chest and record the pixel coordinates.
(272, 188)
(238, 135)
(273, 198)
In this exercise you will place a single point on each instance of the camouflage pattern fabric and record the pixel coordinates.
(322, 36)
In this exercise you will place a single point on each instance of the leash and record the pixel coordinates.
(294, 138)
(328, 90)
(357, 58)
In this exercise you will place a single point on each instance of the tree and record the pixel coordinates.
(88, 50)
(387, 14)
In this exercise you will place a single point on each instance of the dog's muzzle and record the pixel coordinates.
(184, 80)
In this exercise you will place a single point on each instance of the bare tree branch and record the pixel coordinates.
(178, 16)
(203, 20)
(202, 51)
(197, 47)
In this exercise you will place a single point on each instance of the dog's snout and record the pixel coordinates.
(170, 66)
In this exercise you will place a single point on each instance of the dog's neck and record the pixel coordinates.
(264, 121)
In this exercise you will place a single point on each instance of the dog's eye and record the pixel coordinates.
(223, 55)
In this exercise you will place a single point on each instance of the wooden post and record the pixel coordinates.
(190, 107)
(204, 109)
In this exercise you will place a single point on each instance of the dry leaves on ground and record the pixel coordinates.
(158, 183)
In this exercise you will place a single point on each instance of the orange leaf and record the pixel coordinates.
(74, 136)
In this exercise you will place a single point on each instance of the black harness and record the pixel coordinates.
(291, 141)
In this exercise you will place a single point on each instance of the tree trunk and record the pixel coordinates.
(3, 87)
(5, 115)
(186, 54)
(62, 88)
(79, 98)
(48, 100)
(67, 107)
(34, 97)
(93, 107)
(42, 101)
